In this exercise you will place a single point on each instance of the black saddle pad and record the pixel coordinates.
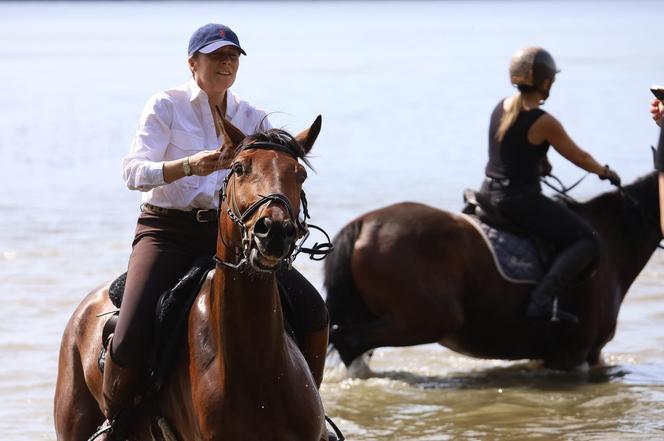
(172, 313)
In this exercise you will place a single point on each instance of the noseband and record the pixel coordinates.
(317, 252)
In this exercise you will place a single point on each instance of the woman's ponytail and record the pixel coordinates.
(510, 115)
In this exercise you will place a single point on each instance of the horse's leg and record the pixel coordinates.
(76, 412)
(428, 313)
(354, 340)
(594, 357)
(425, 319)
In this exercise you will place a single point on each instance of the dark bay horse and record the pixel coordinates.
(410, 274)
(239, 375)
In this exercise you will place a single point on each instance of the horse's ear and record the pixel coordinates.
(307, 137)
(232, 135)
(232, 138)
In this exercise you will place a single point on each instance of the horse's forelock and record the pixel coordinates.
(275, 136)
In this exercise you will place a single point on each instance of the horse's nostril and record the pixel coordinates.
(262, 227)
(289, 228)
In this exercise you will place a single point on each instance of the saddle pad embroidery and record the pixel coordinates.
(516, 257)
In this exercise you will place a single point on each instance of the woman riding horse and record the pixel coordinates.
(520, 134)
(237, 374)
(410, 274)
(176, 162)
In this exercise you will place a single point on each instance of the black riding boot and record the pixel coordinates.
(543, 302)
(567, 267)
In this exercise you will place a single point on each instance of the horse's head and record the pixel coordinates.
(261, 197)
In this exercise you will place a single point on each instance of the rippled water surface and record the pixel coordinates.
(405, 90)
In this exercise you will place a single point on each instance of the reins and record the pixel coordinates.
(563, 191)
(316, 252)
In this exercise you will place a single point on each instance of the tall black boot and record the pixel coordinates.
(543, 302)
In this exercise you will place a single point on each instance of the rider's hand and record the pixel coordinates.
(611, 175)
(205, 162)
(657, 111)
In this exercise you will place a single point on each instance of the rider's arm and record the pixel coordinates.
(549, 128)
(143, 166)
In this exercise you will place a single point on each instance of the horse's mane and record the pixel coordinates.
(640, 200)
(279, 137)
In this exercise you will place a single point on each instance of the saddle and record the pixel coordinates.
(170, 322)
(171, 315)
(520, 257)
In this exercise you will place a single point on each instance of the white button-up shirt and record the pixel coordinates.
(178, 123)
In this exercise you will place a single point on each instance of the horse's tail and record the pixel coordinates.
(344, 301)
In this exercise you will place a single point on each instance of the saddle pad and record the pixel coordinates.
(516, 257)
(172, 313)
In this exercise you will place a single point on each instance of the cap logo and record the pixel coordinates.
(222, 33)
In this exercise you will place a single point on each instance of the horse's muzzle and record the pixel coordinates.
(274, 240)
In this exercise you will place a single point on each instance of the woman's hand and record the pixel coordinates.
(611, 175)
(657, 111)
(205, 162)
(201, 164)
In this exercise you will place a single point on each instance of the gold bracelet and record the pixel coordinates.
(186, 167)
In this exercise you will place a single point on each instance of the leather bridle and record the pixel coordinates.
(317, 252)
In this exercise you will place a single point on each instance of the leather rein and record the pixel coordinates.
(316, 252)
(563, 190)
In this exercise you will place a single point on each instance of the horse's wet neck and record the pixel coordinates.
(640, 247)
(628, 246)
(248, 319)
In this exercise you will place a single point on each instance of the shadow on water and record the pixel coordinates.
(529, 374)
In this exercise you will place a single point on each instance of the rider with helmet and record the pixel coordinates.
(520, 134)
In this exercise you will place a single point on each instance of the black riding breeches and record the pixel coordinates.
(576, 242)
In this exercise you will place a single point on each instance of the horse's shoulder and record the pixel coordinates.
(200, 311)
(86, 313)
(200, 333)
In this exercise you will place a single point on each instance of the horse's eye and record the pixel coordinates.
(303, 177)
(238, 169)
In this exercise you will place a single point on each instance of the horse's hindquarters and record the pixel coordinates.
(78, 384)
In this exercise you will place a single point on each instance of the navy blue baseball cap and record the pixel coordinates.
(211, 37)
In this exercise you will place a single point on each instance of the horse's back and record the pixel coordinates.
(411, 231)
(411, 250)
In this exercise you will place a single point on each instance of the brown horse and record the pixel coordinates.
(239, 375)
(410, 274)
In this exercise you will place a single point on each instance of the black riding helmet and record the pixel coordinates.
(530, 67)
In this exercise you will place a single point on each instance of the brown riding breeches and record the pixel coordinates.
(164, 249)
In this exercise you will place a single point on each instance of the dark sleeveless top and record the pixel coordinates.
(515, 158)
(659, 153)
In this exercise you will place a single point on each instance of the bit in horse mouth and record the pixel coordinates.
(262, 262)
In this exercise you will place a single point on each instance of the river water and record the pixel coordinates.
(405, 90)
